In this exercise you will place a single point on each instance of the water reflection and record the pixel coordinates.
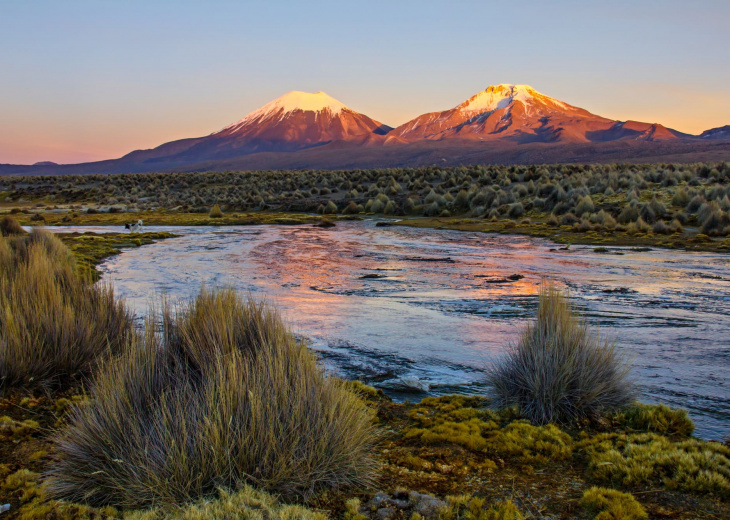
(383, 304)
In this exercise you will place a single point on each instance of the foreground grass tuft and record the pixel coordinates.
(222, 395)
(560, 371)
(54, 325)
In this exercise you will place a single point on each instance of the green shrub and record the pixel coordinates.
(560, 370)
(55, 326)
(222, 395)
(609, 504)
(657, 418)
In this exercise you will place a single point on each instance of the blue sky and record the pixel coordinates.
(86, 80)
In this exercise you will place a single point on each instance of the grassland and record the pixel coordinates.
(449, 457)
(684, 206)
(158, 424)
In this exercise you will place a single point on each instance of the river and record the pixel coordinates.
(417, 311)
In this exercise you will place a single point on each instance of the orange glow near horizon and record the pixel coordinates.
(112, 135)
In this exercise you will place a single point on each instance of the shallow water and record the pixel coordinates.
(425, 313)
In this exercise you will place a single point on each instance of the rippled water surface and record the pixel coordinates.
(394, 306)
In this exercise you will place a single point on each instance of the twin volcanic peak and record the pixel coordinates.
(507, 113)
(501, 116)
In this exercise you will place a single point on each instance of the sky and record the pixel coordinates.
(96, 79)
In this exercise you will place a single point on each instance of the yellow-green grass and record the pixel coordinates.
(91, 248)
(170, 218)
(609, 504)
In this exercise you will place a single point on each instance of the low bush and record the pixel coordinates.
(533, 444)
(222, 395)
(560, 370)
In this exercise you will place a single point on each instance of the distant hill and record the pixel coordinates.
(502, 124)
(722, 132)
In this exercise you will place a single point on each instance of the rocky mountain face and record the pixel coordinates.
(520, 114)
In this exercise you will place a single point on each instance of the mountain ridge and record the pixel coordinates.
(497, 123)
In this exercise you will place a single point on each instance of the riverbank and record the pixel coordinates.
(689, 239)
(450, 446)
(90, 249)
(448, 457)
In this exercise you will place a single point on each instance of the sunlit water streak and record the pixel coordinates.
(431, 315)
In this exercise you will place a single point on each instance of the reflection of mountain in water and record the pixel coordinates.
(439, 322)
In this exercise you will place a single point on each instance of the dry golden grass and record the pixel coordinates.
(54, 325)
(223, 395)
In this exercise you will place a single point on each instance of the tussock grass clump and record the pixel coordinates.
(9, 227)
(560, 371)
(639, 459)
(222, 395)
(215, 212)
(657, 418)
(54, 325)
(609, 504)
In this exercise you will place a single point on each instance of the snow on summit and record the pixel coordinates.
(290, 102)
(500, 96)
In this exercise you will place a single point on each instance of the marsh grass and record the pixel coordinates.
(54, 325)
(560, 370)
(222, 395)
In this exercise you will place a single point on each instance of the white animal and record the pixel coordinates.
(134, 228)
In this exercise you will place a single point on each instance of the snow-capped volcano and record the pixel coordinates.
(521, 114)
(305, 118)
(292, 122)
(504, 123)
(291, 102)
